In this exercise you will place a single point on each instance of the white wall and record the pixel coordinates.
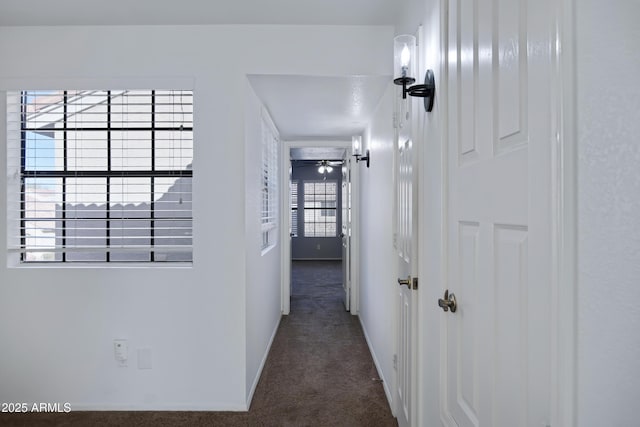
(377, 256)
(263, 309)
(57, 325)
(608, 63)
(431, 221)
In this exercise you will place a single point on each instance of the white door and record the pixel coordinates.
(496, 363)
(406, 273)
(409, 122)
(409, 118)
(346, 230)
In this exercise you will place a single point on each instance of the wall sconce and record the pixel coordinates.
(404, 68)
(356, 147)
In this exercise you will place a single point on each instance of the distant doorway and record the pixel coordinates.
(315, 206)
(318, 214)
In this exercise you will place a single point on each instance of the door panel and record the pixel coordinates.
(497, 351)
(404, 359)
(465, 344)
(510, 320)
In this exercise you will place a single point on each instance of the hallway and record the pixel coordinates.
(319, 371)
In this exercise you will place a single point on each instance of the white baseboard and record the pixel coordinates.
(262, 362)
(385, 383)
(157, 407)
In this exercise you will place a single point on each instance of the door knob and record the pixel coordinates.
(406, 281)
(448, 302)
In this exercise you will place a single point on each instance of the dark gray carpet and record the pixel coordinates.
(319, 371)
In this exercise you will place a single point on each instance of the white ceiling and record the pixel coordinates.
(320, 108)
(188, 12)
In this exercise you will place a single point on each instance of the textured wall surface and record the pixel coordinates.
(378, 258)
(609, 212)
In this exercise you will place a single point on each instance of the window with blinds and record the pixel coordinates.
(294, 208)
(101, 175)
(320, 204)
(269, 176)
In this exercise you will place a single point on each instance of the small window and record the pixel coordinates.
(269, 176)
(294, 208)
(320, 203)
(103, 175)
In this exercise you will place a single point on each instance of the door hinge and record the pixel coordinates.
(394, 118)
(395, 362)
(414, 284)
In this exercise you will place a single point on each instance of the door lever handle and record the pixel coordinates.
(448, 302)
(406, 281)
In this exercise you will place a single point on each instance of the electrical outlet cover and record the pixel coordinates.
(120, 351)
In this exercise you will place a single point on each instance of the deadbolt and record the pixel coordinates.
(448, 302)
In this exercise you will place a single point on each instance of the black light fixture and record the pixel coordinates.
(356, 148)
(404, 68)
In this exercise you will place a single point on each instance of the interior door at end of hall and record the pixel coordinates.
(346, 230)
(497, 343)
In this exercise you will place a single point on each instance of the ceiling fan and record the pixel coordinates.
(326, 166)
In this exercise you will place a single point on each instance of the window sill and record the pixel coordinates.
(96, 265)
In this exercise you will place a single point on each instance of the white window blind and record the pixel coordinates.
(100, 175)
(294, 208)
(269, 176)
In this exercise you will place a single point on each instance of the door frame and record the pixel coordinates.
(564, 335)
(285, 221)
(563, 398)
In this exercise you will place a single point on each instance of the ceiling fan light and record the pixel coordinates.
(329, 169)
(321, 169)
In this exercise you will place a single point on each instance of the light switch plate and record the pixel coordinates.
(144, 358)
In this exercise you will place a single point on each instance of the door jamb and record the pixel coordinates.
(285, 220)
(565, 192)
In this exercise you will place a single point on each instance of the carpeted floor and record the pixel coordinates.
(319, 371)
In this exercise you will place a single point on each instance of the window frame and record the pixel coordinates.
(294, 211)
(269, 217)
(25, 173)
(305, 208)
